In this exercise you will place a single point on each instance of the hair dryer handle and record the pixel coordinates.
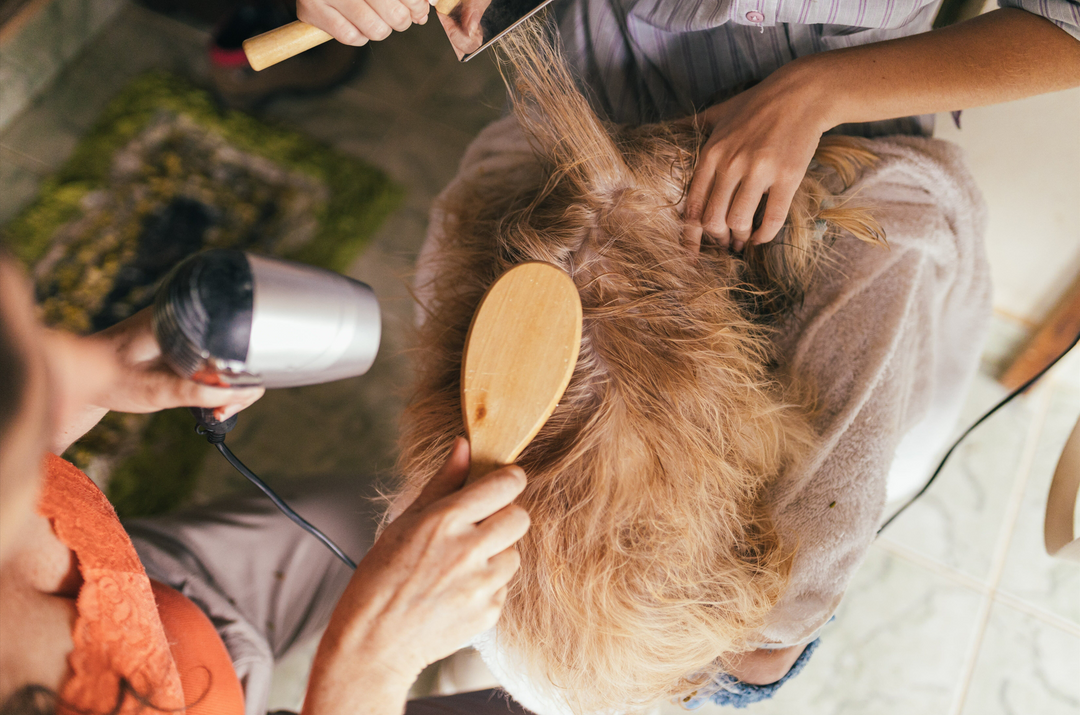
(205, 418)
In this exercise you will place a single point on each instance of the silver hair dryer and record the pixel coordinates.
(235, 319)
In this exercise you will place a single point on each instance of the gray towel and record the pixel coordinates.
(892, 341)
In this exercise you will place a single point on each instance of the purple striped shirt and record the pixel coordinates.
(645, 60)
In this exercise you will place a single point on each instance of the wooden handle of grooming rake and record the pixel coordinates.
(287, 41)
(520, 352)
(443, 7)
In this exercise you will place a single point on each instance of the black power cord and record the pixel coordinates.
(1007, 399)
(218, 440)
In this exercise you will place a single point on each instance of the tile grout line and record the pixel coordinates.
(1055, 381)
(32, 159)
(975, 585)
(1001, 550)
(1049, 618)
(932, 565)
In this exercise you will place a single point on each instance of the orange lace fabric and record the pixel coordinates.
(118, 633)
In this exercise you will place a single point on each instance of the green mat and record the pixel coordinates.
(165, 173)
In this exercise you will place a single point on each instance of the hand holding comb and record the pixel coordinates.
(287, 41)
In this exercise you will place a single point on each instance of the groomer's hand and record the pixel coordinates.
(356, 22)
(760, 143)
(436, 577)
(145, 383)
(463, 27)
(138, 379)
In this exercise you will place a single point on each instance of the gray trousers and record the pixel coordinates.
(266, 584)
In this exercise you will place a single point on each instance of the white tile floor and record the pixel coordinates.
(1026, 158)
(957, 610)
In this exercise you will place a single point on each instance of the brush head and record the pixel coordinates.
(520, 353)
(234, 319)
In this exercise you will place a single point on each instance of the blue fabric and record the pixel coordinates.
(728, 690)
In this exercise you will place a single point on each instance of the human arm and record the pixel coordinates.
(435, 578)
(762, 140)
(356, 22)
(130, 375)
(765, 665)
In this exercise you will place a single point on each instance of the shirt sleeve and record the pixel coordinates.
(1063, 13)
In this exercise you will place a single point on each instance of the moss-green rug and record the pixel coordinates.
(161, 175)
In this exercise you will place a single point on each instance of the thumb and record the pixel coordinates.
(447, 480)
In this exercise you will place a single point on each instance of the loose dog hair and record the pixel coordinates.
(652, 559)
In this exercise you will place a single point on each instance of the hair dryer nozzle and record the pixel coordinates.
(310, 325)
(231, 318)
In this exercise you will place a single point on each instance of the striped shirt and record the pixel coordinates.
(647, 60)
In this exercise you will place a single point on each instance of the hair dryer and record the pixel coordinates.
(235, 319)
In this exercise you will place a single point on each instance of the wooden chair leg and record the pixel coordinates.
(1060, 329)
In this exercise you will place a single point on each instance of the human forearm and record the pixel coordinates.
(344, 681)
(361, 665)
(761, 141)
(998, 57)
(72, 429)
(765, 666)
(435, 578)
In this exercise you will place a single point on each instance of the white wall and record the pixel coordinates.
(1025, 156)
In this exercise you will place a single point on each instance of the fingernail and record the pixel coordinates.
(226, 411)
(736, 246)
(460, 443)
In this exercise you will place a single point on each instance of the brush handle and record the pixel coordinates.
(480, 466)
(287, 41)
